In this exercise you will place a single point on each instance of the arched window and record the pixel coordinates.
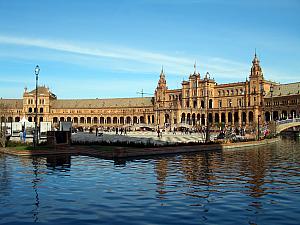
(41, 110)
(81, 120)
(101, 120)
(95, 119)
(108, 120)
(142, 120)
(223, 117)
(210, 118)
(183, 118)
(210, 103)
(250, 116)
(115, 120)
(30, 109)
(216, 117)
(202, 104)
(229, 117)
(89, 120)
(195, 104)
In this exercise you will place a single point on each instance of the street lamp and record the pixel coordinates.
(258, 131)
(207, 138)
(35, 137)
(271, 91)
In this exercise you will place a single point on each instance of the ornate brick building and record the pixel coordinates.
(200, 101)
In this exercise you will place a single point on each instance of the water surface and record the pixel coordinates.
(251, 186)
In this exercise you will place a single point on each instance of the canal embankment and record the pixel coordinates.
(115, 152)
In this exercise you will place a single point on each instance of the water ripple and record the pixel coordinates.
(253, 186)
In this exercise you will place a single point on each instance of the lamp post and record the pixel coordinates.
(271, 91)
(35, 137)
(11, 121)
(207, 138)
(258, 131)
(271, 117)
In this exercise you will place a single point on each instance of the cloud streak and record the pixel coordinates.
(175, 64)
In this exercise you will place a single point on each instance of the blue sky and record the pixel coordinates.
(103, 49)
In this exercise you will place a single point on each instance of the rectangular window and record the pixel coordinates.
(220, 103)
(229, 103)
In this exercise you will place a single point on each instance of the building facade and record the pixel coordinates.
(200, 101)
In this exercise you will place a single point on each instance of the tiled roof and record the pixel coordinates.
(285, 90)
(101, 103)
(41, 90)
(12, 103)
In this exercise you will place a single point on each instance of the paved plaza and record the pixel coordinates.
(139, 137)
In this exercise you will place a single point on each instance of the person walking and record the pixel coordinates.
(21, 136)
(24, 135)
(96, 131)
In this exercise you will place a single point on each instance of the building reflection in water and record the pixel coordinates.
(161, 169)
(59, 162)
(218, 172)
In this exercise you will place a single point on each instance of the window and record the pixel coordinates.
(229, 103)
(187, 104)
(220, 103)
(240, 102)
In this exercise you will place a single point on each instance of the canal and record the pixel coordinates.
(250, 186)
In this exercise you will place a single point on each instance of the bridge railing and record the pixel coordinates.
(287, 121)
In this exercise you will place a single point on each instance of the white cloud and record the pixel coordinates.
(129, 59)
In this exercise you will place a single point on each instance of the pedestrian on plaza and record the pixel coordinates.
(21, 136)
(96, 131)
(117, 130)
(125, 131)
(174, 130)
(24, 135)
(158, 131)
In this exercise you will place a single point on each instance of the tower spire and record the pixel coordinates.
(162, 74)
(256, 70)
(195, 67)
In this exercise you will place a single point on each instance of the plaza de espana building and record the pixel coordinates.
(200, 101)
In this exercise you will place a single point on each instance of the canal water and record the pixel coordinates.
(250, 186)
